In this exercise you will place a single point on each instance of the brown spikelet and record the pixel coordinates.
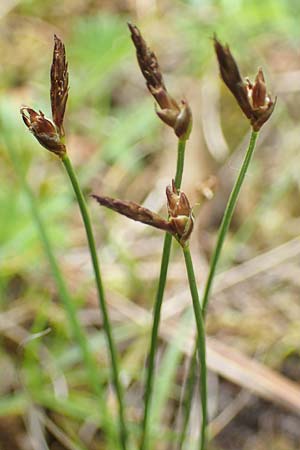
(43, 130)
(181, 220)
(180, 213)
(135, 212)
(59, 84)
(231, 76)
(178, 204)
(254, 101)
(147, 60)
(177, 116)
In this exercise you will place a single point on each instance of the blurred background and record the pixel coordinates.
(120, 148)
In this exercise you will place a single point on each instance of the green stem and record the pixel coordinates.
(180, 163)
(230, 207)
(188, 396)
(228, 213)
(101, 297)
(68, 303)
(157, 307)
(200, 341)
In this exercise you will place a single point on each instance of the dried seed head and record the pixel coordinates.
(228, 67)
(180, 213)
(59, 84)
(44, 130)
(178, 203)
(231, 76)
(260, 101)
(50, 134)
(171, 113)
(135, 212)
(180, 223)
(149, 65)
(252, 99)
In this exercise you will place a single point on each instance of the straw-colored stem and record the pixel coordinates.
(157, 308)
(101, 297)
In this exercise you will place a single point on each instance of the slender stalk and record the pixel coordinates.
(200, 341)
(101, 297)
(180, 163)
(68, 303)
(157, 307)
(188, 396)
(228, 213)
(230, 207)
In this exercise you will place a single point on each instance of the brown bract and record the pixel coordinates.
(43, 129)
(59, 84)
(135, 212)
(179, 117)
(50, 134)
(180, 213)
(253, 99)
(180, 223)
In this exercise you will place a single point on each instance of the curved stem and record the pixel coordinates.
(200, 341)
(230, 207)
(157, 307)
(101, 297)
(68, 303)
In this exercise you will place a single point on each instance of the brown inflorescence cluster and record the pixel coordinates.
(43, 129)
(59, 90)
(50, 133)
(253, 99)
(180, 213)
(180, 223)
(179, 117)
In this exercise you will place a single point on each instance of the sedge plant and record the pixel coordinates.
(178, 117)
(179, 224)
(51, 135)
(258, 106)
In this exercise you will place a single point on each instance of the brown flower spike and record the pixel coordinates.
(180, 223)
(135, 212)
(180, 213)
(253, 99)
(50, 134)
(59, 84)
(177, 117)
